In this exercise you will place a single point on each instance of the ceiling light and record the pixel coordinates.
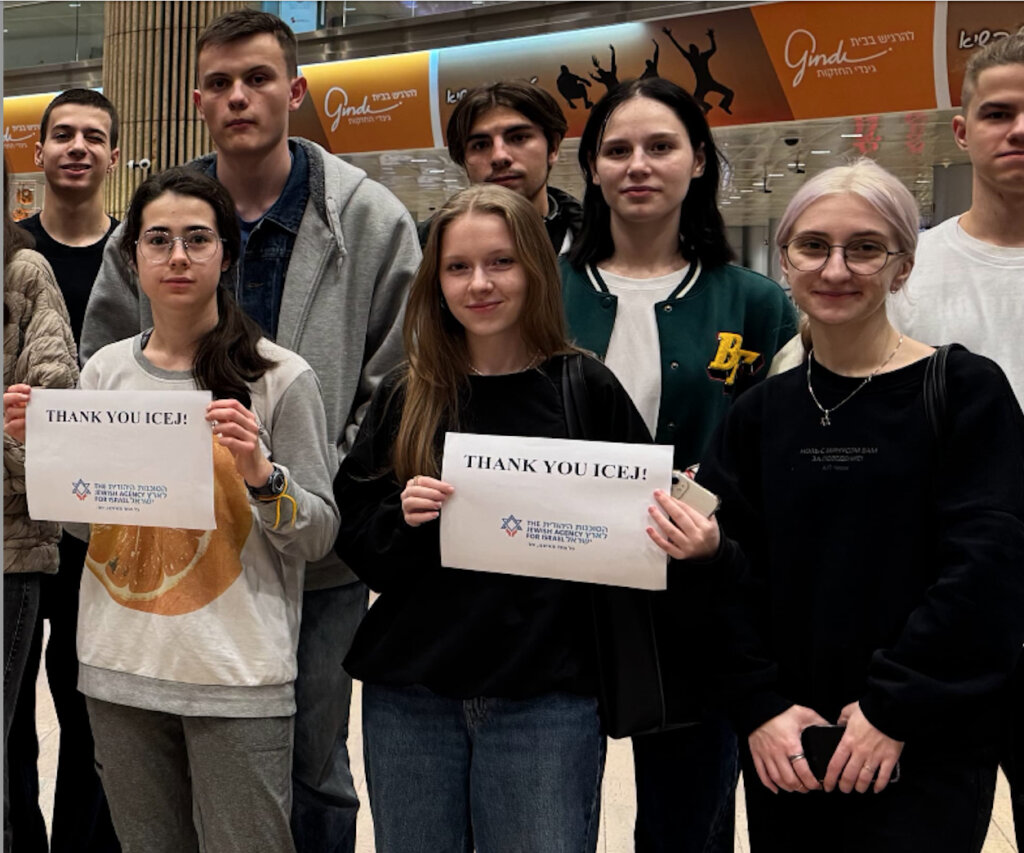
(821, 151)
(418, 160)
(435, 171)
(851, 135)
(922, 181)
(746, 191)
(776, 175)
(735, 196)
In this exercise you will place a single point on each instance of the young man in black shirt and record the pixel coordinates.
(509, 133)
(77, 149)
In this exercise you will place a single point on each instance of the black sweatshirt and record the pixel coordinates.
(463, 633)
(881, 568)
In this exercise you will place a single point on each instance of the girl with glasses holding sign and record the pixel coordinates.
(480, 722)
(187, 638)
(883, 519)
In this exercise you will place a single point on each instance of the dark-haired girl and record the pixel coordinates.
(187, 639)
(648, 287)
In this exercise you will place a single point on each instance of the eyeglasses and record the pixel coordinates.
(200, 245)
(862, 257)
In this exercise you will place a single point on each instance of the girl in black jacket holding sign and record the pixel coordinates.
(480, 720)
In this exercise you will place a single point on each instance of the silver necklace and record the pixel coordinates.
(537, 358)
(825, 419)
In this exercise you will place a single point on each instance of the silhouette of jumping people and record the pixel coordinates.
(651, 65)
(699, 63)
(609, 79)
(571, 86)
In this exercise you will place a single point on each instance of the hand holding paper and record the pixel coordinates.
(239, 431)
(15, 400)
(422, 499)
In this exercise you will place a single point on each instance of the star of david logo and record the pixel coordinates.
(80, 490)
(511, 525)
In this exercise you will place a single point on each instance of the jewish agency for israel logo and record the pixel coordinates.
(80, 489)
(511, 525)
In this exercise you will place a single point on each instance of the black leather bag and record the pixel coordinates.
(633, 694)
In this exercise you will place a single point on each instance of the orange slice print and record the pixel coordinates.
(171, 571)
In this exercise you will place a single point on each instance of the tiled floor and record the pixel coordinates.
(619, 800)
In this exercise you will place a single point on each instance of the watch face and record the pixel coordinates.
(276, 481)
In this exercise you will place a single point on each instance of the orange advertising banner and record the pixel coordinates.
(970, 25)
(840, 59)
(717, 57)
(765, 63)
(376, 104)
(21, 130)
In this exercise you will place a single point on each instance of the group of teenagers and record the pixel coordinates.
(865, 567)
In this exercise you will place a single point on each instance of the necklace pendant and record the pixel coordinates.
(825, 421)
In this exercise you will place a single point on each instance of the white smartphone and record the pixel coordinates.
(693, 494)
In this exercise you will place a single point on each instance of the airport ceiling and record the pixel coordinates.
(764, 163)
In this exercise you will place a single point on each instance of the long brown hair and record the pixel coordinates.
(436, 342)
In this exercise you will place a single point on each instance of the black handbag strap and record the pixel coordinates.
(575, 397)
(935, 388)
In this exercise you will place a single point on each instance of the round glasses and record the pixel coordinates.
(862, 257)
(200, 245)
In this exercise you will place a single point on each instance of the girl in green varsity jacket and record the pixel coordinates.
(649, 288)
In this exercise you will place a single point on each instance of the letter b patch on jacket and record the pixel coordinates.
(731, 358)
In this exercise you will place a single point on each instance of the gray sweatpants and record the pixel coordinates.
(187, 784)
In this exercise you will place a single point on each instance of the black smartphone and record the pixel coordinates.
(819, 743)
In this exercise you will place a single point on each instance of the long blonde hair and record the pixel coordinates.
(435, 341)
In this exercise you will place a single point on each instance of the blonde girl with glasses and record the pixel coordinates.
(187, 638)
(884, 592)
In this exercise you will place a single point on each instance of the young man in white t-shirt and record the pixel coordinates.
(968, 280)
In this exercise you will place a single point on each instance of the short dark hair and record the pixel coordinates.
(227, 357)
(524, 97)
(85, 98)
(998, 52)
(245, 23)
(701, 228)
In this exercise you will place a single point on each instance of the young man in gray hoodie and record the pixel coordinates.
(328, 255)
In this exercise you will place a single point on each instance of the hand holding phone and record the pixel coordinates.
(693, 494)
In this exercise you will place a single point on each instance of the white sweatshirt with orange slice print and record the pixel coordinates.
(199, 622)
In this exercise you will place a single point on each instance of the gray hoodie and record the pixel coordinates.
(344, 298)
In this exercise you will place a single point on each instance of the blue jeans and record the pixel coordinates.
(686, 789)
(448, 775)
(21, 608)
(324, 800)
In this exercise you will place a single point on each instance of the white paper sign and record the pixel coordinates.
(554, 508)
(120, 457)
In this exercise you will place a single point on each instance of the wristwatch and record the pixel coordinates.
(272, 488)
